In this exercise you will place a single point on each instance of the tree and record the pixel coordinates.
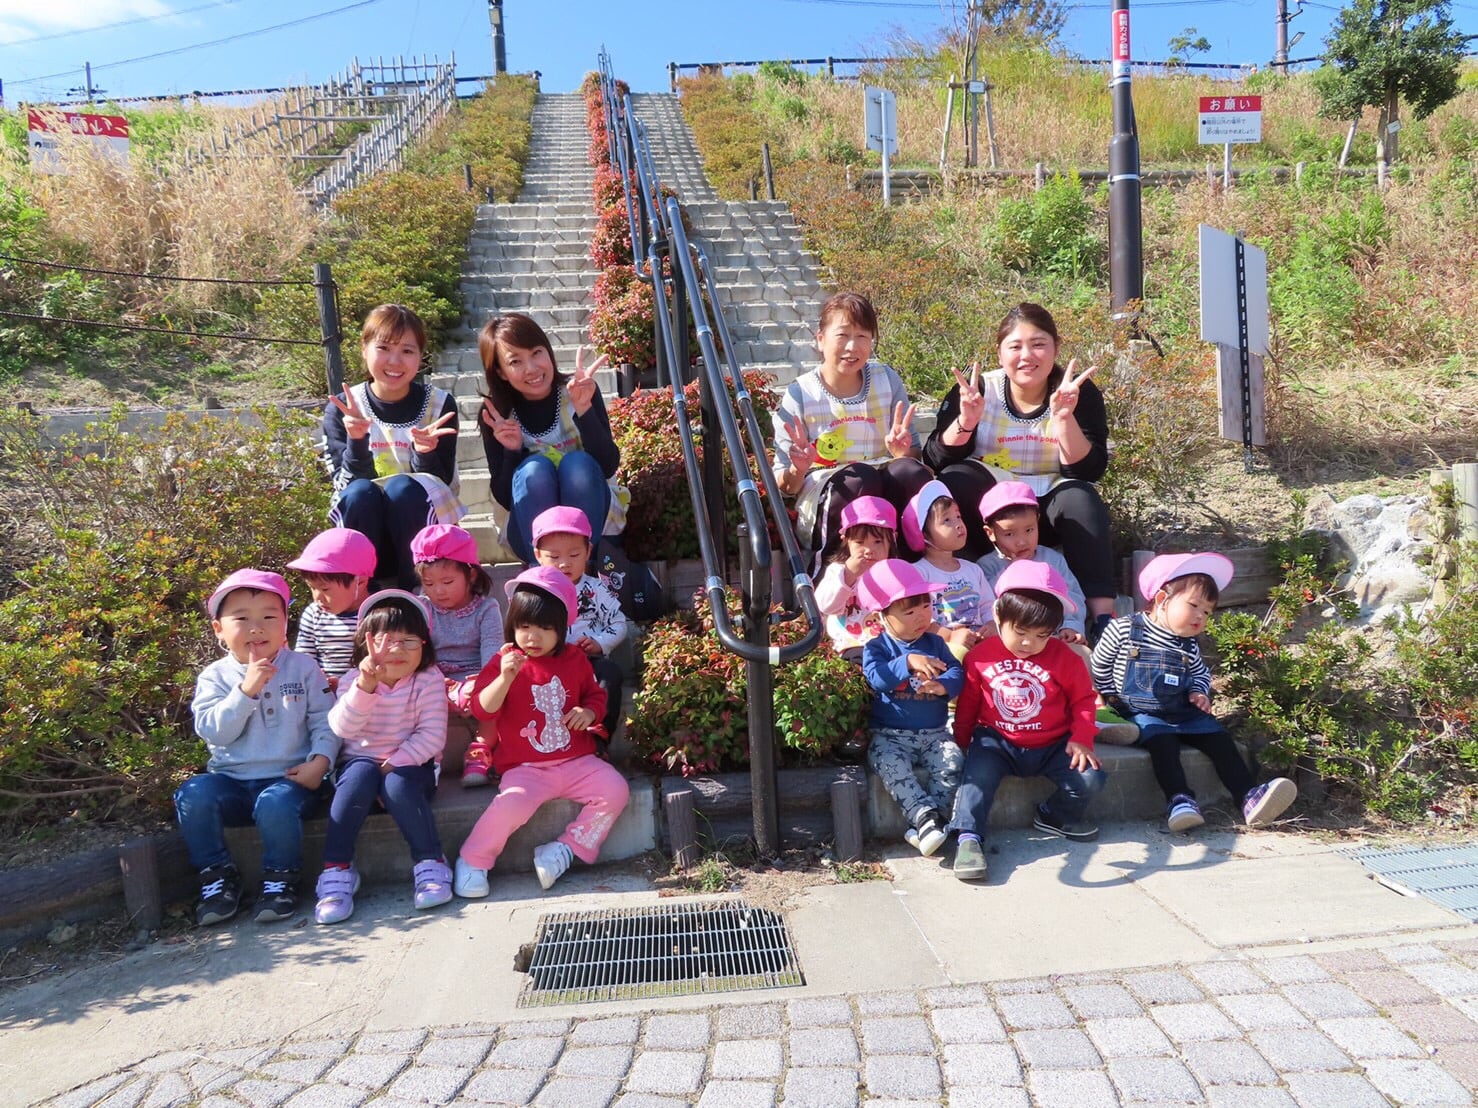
(1381, 52)
(1183, 45)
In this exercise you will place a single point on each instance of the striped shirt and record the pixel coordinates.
(404, 725)
(1111, 655)
(328, 638)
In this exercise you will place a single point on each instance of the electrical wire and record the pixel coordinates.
(149, 276)
(241, 336)
(121, 23)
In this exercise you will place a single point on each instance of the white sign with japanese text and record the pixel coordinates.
(1227, 119)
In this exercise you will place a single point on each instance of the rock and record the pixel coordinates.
(1387, 545)
(61, 934)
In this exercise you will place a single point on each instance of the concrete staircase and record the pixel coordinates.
(534, 256)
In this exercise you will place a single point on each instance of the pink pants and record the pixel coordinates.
(524, 788)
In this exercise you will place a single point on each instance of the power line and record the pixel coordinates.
(203, 45)
(121, 23)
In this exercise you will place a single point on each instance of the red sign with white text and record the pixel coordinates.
(1231, 104)
(108, 135)
(1228, 119)
(1121, 36)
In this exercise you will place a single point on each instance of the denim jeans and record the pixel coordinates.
(407, 793)
(538, 485)
(990, 759)
(389, 515)
(208, 803)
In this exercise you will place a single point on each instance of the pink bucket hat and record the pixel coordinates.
(442, 540)
(1006, 494)
(337, 550)
(258, 579)
(872, 510)
(552, 581)
(562, 520)
(889, 580)
(916, 512)
(1039, 576)
(376, 599)
(1167, 567)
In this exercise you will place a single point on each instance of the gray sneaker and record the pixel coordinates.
(1079, 832)
(970, 860)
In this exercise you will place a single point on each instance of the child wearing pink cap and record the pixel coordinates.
(1148, 666)
(913, 677)
(962, 605)
(1012, 522)
(263, 713)
(468, 626)
(562, 540)
(1026, 711)
(337, 565)
(869, 535)
(537, 704)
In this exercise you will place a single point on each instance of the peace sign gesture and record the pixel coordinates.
(507, 431)
(581, 389)
(424, 438)
(356, 423)
(899, 440)
(1065, 399)
(372, 665)
(972, 401)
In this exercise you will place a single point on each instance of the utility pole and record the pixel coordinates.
(1126, 233)
(1280, 51)
(973, 159)
(500, 54)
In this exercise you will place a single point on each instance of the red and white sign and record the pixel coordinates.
(1227, 119)
(108, 135)
(1120, 33)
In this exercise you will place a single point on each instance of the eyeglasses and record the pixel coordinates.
(409, 642)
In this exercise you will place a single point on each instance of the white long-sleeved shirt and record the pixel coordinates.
(599, 616)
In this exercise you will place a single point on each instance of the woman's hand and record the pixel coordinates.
(581, 388)
(802, 452)
(424, 439)
(507, 431)
(356, 423)
(972, 401)
(1065, 399)
(899, 440)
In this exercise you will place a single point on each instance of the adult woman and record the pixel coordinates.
(391, 446)
(1032, 421)
(843, 430)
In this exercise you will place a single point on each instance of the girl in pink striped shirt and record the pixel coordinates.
(392, 718)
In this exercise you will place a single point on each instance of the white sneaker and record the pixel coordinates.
(470, 882)
(550, 862)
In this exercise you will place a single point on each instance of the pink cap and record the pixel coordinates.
(337, 550)
(1006, 494)
(916, 512)
(442, 540)
(562, 520)
(1039, 576)
(889, 580)
(873, 510)
(1167, 567)
(552, 581)
(258, 579)
(374, 600)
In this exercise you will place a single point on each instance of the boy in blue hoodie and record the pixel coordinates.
(913, 677)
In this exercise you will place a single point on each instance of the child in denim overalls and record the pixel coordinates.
(1148, 667)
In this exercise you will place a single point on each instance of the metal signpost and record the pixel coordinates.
(880, 123)
(1234, 315)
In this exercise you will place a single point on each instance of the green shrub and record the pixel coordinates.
(490, 132)
(117, 538)
(622, 320)
(1050, 230)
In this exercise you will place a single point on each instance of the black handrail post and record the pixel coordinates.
(763, 783)
(326, 294)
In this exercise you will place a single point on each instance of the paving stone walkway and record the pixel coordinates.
(1396, 1025)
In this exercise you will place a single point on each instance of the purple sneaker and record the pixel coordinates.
(1268, 801)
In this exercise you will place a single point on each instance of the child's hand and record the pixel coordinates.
(590, 646)
(459, 696)
(932, 688)
(356, 423)
(424, 439)
(1082, 757)
(926, 666)
(1201, 700)
(259, 669)
(1068, 635)
(512, 662)
(581, 387)
(386, 768)
(333, 684)
(577, 719)
(371, 666)
(507, 431)
(960, 636)
(899, 439)
(309, 774)
(1065, 399)
(856, 565)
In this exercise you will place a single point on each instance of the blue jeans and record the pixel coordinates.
(990, 759)
(407, 793)
(538, 485)
(208, 803)
(389, 515)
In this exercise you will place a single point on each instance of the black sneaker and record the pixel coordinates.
(220, 895)
(1079, 832)
(279, 898)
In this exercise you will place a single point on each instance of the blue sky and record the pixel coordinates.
(44, 43)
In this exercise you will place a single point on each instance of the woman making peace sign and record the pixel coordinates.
(1035, 422)
(845, 429)
(391, 446)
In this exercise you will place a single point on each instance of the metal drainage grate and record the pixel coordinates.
(664, 950)
(1444, 875)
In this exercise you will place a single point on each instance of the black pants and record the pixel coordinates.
(1226, 759)
(609, 676)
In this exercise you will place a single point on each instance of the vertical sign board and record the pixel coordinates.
(108, 135)
(1228, 119)
(880, 126)
(1234, 315)
(1120, 32)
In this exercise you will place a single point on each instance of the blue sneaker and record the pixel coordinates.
(1185, 813)
(1268, 801)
